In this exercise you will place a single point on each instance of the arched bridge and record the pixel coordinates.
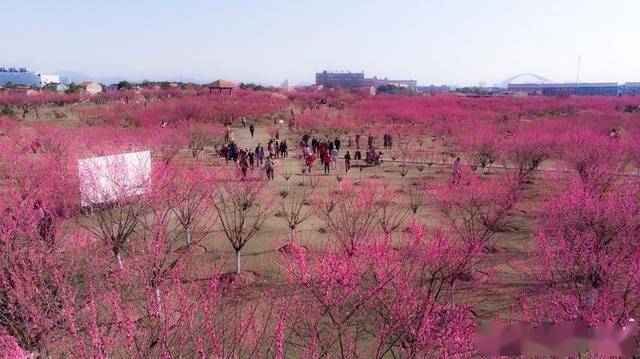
(512, 79)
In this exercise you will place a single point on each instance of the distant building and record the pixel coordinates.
(411, 85)
(631, 89)
(432, 89)
(524, 89)
(346, 80)
(21, 76)
(91, 87)
(62, 87)
(287, 86)
(576, 89)
(580, 89)
(49, 79)
(112, 88)
(351, 80)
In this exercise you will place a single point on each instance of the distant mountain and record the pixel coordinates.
(110, 80)
(70, 76)
(78, 77)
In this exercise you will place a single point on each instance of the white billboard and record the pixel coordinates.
(111, 178)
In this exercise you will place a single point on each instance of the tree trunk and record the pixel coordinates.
(238, 263)
(188, 235)
(158, 301)
(119, 260)
(453, 297)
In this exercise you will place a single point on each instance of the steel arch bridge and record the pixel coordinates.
(514, 77)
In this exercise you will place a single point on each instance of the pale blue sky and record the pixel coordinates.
(440, 42)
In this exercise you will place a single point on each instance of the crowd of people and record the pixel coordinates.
(328, 151)
(310, 149)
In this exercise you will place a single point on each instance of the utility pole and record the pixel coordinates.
(578, 74)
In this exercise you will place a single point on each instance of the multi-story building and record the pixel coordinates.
(21, 76)
(346, 80)
(350, 80)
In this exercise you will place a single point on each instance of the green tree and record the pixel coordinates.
(73, 88)
(124, 86)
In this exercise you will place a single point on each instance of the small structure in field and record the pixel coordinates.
(221, 85)
(91, 87)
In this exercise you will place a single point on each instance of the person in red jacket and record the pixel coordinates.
(309, 162)
(326, 160)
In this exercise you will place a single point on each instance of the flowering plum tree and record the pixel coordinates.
(242, 208)
(350, 212)
(585, 258)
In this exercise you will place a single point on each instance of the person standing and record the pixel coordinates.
(252, 129)
(337, 143)
(270, 147)
(357, 141)
(244, 121)
(252, 159)
(326, 160)
(260, 153)
(233, 151)
(309, 161)
(456, 171)
(322, 150)
(268, 166)
(243, 167)
(347, 162)
(334, 158)
(46, 229)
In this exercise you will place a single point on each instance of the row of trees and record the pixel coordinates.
(135, 276)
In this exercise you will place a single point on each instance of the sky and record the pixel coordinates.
(454, 42)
